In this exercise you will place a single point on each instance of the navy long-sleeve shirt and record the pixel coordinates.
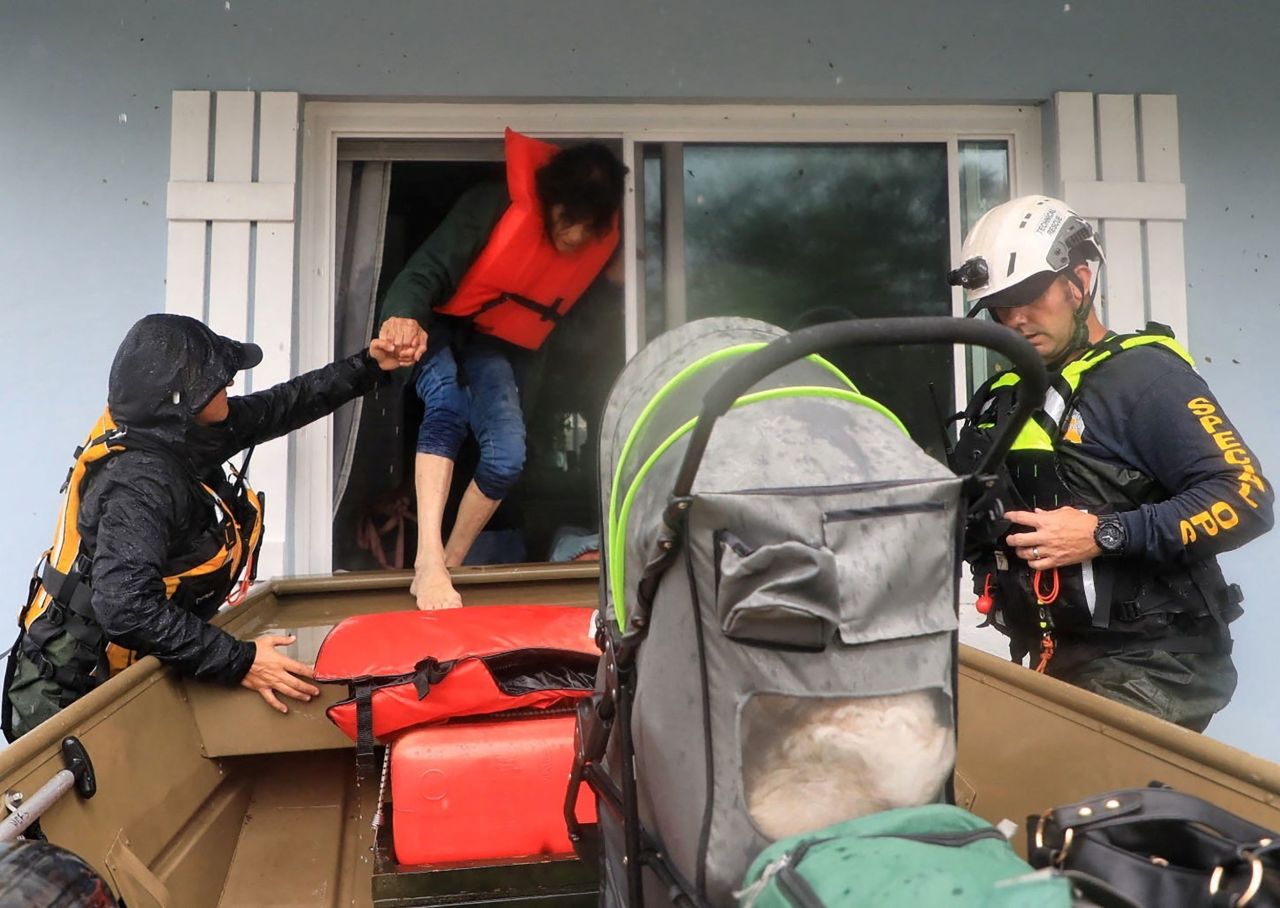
(1149, 410)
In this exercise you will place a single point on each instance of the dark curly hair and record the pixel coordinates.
(588, 181)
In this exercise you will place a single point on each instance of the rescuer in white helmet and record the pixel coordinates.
(1119, 492)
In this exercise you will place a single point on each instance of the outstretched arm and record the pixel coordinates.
(264, 415)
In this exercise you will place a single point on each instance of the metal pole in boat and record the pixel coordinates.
(25, 811)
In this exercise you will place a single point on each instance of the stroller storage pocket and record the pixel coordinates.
(780, 594)
(896, 568)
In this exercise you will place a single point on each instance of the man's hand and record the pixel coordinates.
(384, 354)
(407, 339)
(1057, 538)
(274, 673)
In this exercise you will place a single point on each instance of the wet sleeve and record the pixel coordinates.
(1219, 498)
(433, 272)
(129, 596)
(264, 415)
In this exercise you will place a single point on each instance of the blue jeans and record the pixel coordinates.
(488, 404)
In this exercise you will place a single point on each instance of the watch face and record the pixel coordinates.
(1110, 537)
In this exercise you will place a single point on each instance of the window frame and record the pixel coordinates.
(327, 123)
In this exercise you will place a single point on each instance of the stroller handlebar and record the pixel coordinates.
(753, 368)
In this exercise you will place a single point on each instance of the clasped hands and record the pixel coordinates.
(401, 342)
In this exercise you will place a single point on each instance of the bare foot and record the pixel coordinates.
(435, 590)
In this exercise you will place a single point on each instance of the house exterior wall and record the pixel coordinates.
(84, 159)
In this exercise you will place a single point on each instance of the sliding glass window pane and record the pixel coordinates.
(984, 184)
(802, 234)
(655, 295)
(984, 179)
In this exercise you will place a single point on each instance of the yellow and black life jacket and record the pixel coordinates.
(1117, 603)
(59, 600)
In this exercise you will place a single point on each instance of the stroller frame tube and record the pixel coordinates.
(872, 332)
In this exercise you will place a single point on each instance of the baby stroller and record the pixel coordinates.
(778, 602)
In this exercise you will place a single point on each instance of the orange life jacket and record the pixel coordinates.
(410, 668)
(520, 286)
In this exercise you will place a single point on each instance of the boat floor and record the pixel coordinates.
(306, 840)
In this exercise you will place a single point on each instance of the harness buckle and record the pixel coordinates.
(1127, 610)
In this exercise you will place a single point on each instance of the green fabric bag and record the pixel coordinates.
(936, 855)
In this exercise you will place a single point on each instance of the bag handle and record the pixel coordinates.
(1145, 805)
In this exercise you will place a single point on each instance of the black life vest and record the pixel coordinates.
(200, 580)
(1116, 603)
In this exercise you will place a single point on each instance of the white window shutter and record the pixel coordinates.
(1117, 164)
(231, 249)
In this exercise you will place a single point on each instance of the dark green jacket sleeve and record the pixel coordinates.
(432, 273)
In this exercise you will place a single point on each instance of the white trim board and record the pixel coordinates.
(1118, 165)
(226, 200)
(230, 258)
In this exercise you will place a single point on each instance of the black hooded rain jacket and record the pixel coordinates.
(144, 508)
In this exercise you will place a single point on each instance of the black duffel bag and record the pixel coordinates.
(1160, 847)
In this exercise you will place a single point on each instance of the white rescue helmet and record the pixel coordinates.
(1016, 250)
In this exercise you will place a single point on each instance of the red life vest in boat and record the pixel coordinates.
(409, 668)
(520, 285)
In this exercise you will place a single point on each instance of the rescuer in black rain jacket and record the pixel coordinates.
(154, 534)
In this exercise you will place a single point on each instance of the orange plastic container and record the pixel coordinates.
(476, 791)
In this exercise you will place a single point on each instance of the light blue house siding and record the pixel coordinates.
(84, 158)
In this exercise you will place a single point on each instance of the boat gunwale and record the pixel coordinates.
(1116, 720)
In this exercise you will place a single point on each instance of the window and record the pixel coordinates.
(392, 197)
(984, 184)
(793, 215)
(797, 235)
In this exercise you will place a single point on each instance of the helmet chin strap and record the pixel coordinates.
(1080, 319)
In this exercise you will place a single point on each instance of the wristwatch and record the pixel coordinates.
(1110, 535)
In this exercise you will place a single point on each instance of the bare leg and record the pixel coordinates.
(431, 584)
(473, 514)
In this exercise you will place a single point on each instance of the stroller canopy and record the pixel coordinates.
(805, 425)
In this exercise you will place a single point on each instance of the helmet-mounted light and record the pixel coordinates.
(972, 275)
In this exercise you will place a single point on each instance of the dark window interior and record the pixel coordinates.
(563, 397)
